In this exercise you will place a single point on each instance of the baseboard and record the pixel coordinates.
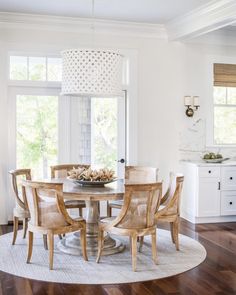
(214, 219)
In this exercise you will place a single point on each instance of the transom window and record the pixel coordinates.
(224, 104)
(35, 68)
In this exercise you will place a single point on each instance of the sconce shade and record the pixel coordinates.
(196, 101)
(91, 72)
(187, 100)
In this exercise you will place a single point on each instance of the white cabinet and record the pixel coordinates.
(209, 193)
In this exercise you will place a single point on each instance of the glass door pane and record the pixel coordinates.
(107, 133)
(36, 133)
(104, 132)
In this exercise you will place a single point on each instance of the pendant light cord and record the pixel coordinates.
(92, 24)
(92, 15)
(92, 9)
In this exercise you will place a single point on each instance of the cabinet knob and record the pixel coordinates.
(209, 171)
(231, 178)
(231, 203)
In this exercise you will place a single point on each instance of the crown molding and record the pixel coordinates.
(81, 25)
(206, 18)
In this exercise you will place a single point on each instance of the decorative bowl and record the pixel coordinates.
(219, 160)
(92, 183)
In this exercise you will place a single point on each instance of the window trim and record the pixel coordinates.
(210, 100)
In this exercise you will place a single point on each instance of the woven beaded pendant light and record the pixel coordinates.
(91, 72)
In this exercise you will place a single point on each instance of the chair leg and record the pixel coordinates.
(15, 229)
(99, 208)
(154, 247)
(51, 249)
(134, 252)
(100, 244)
(130, 244)
(83, 243)
(45, 242)
(172, 232)
(141, 239)
(30, 246)
(176, 234)
(109, 210)
(25, 226)
(81, 212)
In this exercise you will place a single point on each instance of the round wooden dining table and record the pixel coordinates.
(92, 195)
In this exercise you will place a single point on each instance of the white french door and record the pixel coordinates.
(108, 133)
(45, 129)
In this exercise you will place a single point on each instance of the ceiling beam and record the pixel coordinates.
(209, 17)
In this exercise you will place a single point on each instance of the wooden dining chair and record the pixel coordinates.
(60, 171)
(49, 215)
(169, 210)
(170, 207)
(136, 218)
(20, 211)
(135, 174)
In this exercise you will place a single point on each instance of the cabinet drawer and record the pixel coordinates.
(209, 171)
(228, 178)
(228, 203)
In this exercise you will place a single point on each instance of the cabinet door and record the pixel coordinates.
(209, 197)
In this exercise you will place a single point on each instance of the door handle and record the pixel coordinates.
(121, 161)
(219, 185)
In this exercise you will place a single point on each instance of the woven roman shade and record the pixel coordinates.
(225, 75)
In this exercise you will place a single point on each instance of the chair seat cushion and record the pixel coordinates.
(116, 203)
(21, 213)
(169, 212)
(74, 204)
(107, 219)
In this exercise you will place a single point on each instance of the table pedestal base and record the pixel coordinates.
(71, 245)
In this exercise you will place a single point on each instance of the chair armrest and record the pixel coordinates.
(62, 208)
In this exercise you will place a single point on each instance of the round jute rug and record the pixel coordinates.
(113, 269)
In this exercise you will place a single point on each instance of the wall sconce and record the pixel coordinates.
(192, 104)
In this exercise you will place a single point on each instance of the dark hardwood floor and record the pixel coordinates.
(216, 275)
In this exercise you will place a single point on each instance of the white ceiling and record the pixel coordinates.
(149, 11)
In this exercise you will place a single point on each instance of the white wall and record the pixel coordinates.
(3, 138)
(199, 81)
(166, 72)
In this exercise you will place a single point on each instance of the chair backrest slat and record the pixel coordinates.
(45, 202)
(59, 171)
(141, 202)
(172, 197)
(141, 174)
(17, 176)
